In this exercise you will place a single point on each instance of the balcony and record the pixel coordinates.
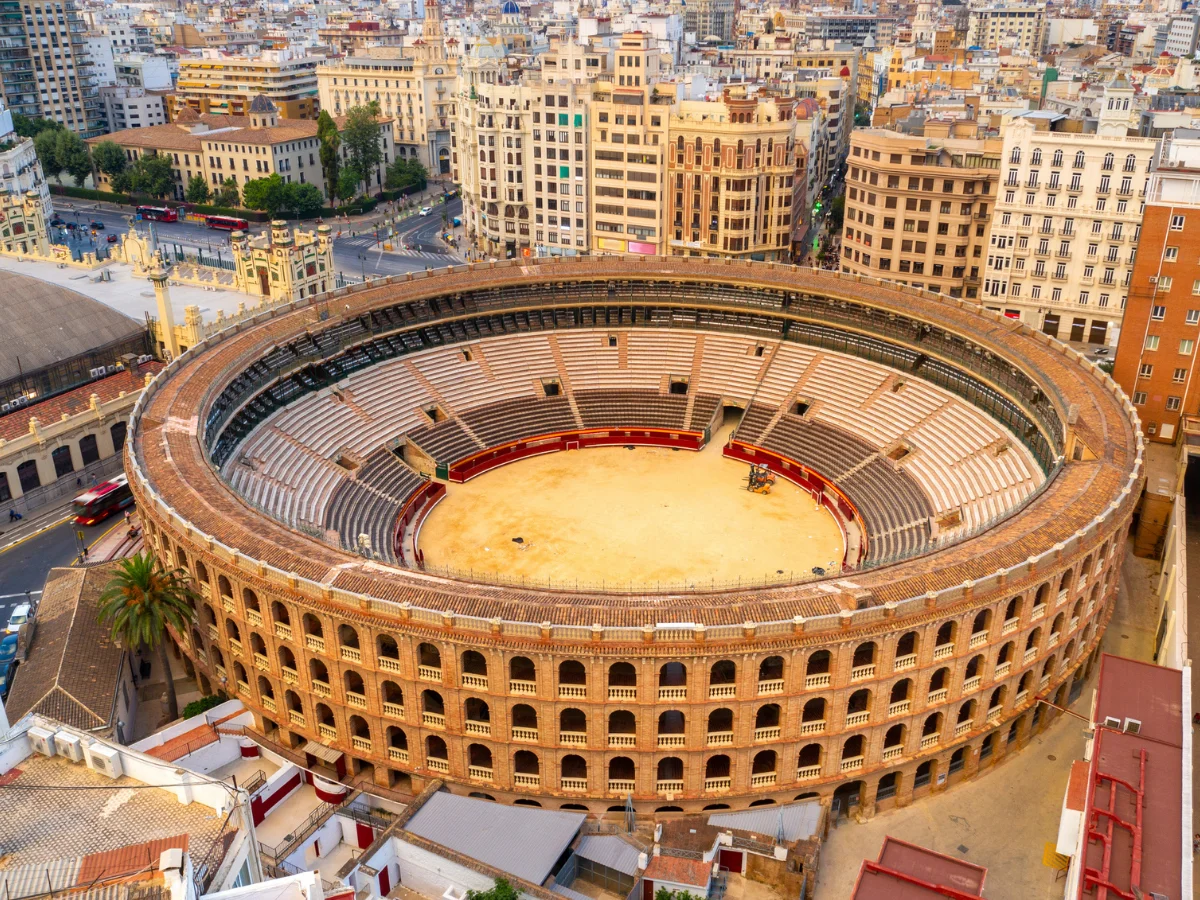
(479, 682)
(572, 691)
(321, 688)
(621, 785)
(929, 740)
(938, 696)
(978, 639)
(527, 779)
(1030, 654)
(771, 733)
(942, 651)
(398, 754)
(243, 688)
(393, 710)
(472, 726)
(814, 727)
(858, 673)
(972, 683)
(1073, 624)
(892, 752)
(904, 662)
(433, 720)
(520, 733)
(1037, 612)
(820, 680)
(355, 699)
(807, 772)
(315, 643)
(479, 773)
(429, 673)
(994, 714)
(899, 708)
(853, 764)
(573, 784)
(1002, 669)
(721, 691)
(672, 693)
(1020, 697)
(283, 631)
(524, 688)
(718, 784)
(213, 634)
(1010, 625)
(620, 692)
(262, 663)
(770, 686)
(388, 664)
(622, 740)
(669, 786)
(1044, 681)
(720, 739)
(438, 764)
(351, 654)
(573, 738)
(269, 703)
(253, 616)
(857, 718)
(671, 740)
(361, 744)
(290, 675)
(328, 732)
(962, 728)
(762, 779)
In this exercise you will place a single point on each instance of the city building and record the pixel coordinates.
(917, 208)
(226, 85)
(1017, 27)
(18, 87)
(414, 86)
(710, 19)
(66, 86)
(143, 71)
(856, 29)
(133, 107)
(1156, 358)
(1065, 230)
(20, 170)
(726, 197)
(352, 37)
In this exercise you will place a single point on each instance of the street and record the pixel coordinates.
(24, 566)
(356, 256)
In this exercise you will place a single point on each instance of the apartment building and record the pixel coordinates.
(352, 37)
(1156, 358)
(242, 147)
(629, 126)
(732, 170)
(1065, 231)
(227, 85)
(133, 107)
(414, 86)
(917, 208)
(20, 170)
(66, 88)
(856, 29)
(18, 87)
(1020, 27)
(710, 19)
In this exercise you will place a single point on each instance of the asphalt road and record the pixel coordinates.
(24, 567)
(356, 255)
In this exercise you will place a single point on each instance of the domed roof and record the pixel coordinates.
(510, 8)
(262, 104)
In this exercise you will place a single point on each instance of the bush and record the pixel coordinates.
(89, 194)
(204, 704)
(354, 207)
(206, 209)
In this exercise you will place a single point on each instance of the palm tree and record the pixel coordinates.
(140, 601)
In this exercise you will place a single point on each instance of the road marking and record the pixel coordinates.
(22, 594)
(34, 534)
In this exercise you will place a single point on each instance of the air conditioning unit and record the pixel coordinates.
(1154, 279)
(42, 740)
(96, 371)
(5, 407)
(105, 759)
(110, 370)
(69, 745)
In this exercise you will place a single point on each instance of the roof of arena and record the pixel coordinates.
(175, 466)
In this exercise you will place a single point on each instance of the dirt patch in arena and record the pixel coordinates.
(613, 516)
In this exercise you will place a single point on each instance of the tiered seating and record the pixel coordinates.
(730, 368)
(511, 420)
(633, 409)
(789, 362)
(370, 503)
(445, 441)
(703, 410)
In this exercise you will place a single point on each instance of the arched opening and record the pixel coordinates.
(887, 786)
(717, 773)
(812, 719)
(433, 710)
(524, 722)
(622, 728)
(435, 753)
(397, 744)
(522, 676)
(943, 645)
(621, 774)
(474, 670)
(671, 728)
(314, 632)
(853, 750)
(809, 761)
(863, 663)
(622, 682)
(846, 798)
(763, 769)
(938, 685)
(924, 774)
(669, 777)
(429, 662)
(572, 727)
(672, 681)
(348, 639)
(906, 651)
(387, 652)
(318, 676)
(770, 675)
(722, 679)
(572, 679)
(279, 614)
(720, 727)
(816, 673)
(573, 773)
(479, 762)
(477, 716)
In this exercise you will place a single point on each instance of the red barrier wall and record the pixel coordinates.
(415, 509)
(262, 804)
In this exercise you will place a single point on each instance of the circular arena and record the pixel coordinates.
(702, 534)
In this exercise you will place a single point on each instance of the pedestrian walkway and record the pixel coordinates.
(369, 242)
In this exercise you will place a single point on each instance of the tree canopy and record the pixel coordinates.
(275, 196)
(109, 158)
(197, 189)
(406, 173)
(27, 127)
(228, 194)
(501, 890)
(72, 154)
(331, 142)
(151, 175)
(363, 142)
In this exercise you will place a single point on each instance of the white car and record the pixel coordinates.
(19, 617)
(426, 210)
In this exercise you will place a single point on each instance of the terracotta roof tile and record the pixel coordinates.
(51, 410)
(678, 870)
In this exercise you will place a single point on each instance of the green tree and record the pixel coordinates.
(501, 890)
(140, 601)
(45, 144)
(151, 175)
(72, 154)
(406, 173)
(331, 142)
(197, 190)
(348, 181)
(228, 194)
(302, 200)
(121, 183)
(109, 158)
(266, 194)
(364, 145)
(27, 127)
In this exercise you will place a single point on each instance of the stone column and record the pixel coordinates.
(166, 315)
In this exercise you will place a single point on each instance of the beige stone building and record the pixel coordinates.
(917, 209)
(731, 173)
(227, 85)
(414, 86)
(67, 90)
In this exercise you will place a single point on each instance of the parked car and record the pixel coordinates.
(57, 222)
(96, 223)
(8, 649)
(71, 226)
(426, 210)
(7, 671)
(20, 615)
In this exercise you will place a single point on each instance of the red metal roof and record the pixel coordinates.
(905, 871)
(131, 860)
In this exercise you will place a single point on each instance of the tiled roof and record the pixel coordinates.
(15, 424)
(129, 860)
(678, 870)
(73, 667)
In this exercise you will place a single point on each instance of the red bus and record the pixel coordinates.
(228, 223)
(102, 501)
(158, 213)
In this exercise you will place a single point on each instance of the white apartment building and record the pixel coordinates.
(101, 54)
(20, 170)
(132, 107)
(139, 70)
(1066, 226)
(1021, 27)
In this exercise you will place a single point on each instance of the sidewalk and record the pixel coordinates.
(33, 523)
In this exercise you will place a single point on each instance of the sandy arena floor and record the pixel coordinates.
(644, 516)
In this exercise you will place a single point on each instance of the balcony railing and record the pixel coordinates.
(527, 779)
(770, 686)
(262, 663)
(269, 703)
(290, 675)
(472, 726)
(622, 740)
(941, 651)
(621, 692)
(899, 708)
(669, 786)
(972, 683)
(362, 744)
(671, 740)
(1002, 669)
(520, 733)
(355, 699)
(253, 616)
(816, 726)
(672, 693)
(892, 752)
(721, 691)
(720, 738)
(806, 772)
(962, 728)
(351, 654)
(762, 779)
(480, 773)
(393, 710)
(398, 754)
(904, 662)
(573, 738)
(438, 764)
(572, 691)
(929, 740)
(524, 688)
(1010, 625)
(620, 785)
(389, 664)
(858, 673)
(820, 680)
(283, 631)
(470, 680)
(429, 673)
(433, 720)
(573, 784)
(315, 643)
(853, 764)
(718, 784)
(329, 732)
(1030, 654)
(770, 733)
(939, 695)
(857, 718)
(321, 688)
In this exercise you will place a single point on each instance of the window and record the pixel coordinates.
(1152, 342)
(1179, 376)
(1193, 317)
(1173, 403)
(1164, 283)
(1139, 398)
(1171, 254)
(1177, 223)
(1158, 313)
(1186, 346)
(1145, 370)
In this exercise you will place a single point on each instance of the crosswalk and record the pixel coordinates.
(368, 242)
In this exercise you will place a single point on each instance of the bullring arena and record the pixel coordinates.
(346, 479)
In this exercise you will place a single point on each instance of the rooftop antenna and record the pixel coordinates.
(630, 818)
